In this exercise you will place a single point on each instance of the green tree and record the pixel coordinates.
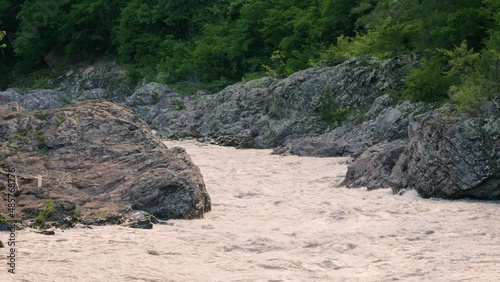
(406, 26)
(37, 32)
(234, 46)
(86, 27)
(77, 29)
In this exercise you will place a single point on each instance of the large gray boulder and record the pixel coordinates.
(98, 158)
(80, 82)
(451, 157)
(373, 168)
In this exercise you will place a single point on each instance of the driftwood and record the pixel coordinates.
(22, 176)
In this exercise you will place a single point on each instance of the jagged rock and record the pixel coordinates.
(92, 94)
(140, 220)
(101, 80)
(383, 123)
(149, 94)
(236, 111)
(265, 113)
(107, 75)
(373, 168)
(158, 105)
(398, 180)
(36, 99)
(100, 158)
(451, 157)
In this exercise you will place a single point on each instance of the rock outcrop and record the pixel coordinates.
(374, 167)
(384, 121)
(98, 160)
(451, 157)
(323, 111)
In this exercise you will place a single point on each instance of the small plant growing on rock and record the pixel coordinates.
(75, 118)
(155, 97)
(65, 100)
(41, 141)
(76, 216)
(328, 110)
(273, 109)
(181, 107)
(21, 133)
(42, 83)
(41, 218)
(61, 119)
(335, 115)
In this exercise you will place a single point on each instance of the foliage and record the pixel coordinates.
(479, 74)
(45, 214)
(278, 69)
(77, 29)
(349, 47)
(41, 141)
(76, 216)
(335, 116)
(428, 82)
(328, 109)
(273, 109)
(4, 65)
(209, 44)
(60, 119)
(41, 83)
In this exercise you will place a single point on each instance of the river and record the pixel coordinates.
(278, 218)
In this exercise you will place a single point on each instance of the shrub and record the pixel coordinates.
(328, 109)
(41, 83)
(428, 82)
(42, 217)
(479, 74)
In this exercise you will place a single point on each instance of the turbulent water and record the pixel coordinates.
(278, 218)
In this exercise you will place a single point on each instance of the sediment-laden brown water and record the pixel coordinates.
(278, 218)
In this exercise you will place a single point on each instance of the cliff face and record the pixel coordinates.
(451, 157)
(346, 110)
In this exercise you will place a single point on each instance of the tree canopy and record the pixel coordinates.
(212, 43)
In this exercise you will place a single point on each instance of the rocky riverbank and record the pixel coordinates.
(347, 110)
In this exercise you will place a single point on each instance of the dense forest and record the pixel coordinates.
(212, 43)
